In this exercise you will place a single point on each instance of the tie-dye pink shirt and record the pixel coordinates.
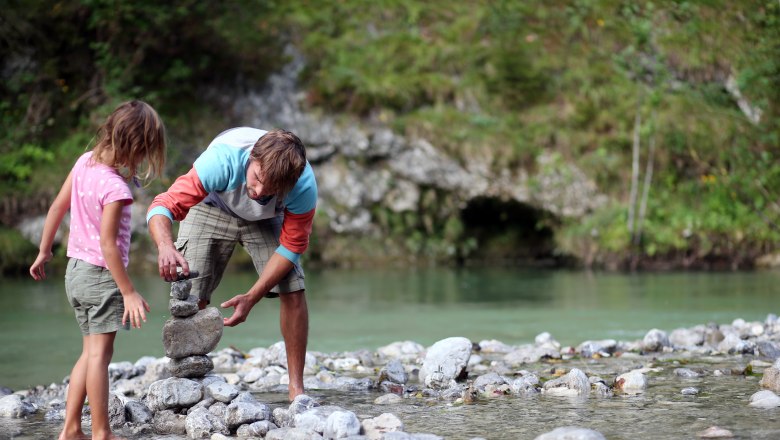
(94, 186)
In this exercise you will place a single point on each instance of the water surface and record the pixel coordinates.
(369, 308)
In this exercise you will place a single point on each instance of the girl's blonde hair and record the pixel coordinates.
(132, 134)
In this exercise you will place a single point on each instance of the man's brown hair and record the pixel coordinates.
(282, 158)
(132, 134)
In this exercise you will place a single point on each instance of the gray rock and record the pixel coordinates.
(341, 424)
(388, 399)
(191, 366)
(183, 308)
(168, 422)
(205, 403)
(655, 340)
(245, 396)
(768, 349)
(222, 392)
(689, 391)
(196, 335)
(715, 432)
(137, 412)
(116, 411)
(426, 436)
(315, 418)
(394, 372)
(684, 337)
(446, 358)
(256, 429)
(528, 354)
(600, 389)
(174, 393)
(526, 384)
(181, 289)
(346, 383)
(201, 424)
(292, 434)
(574, 383)
(771, 379)
(633, 382)
(15, 407)
(397, 435)
(488, 379)
(571, 433)
(687, 373)
(764, 399)
(281, 417)
(405, 351)
(219, 409)
(300, 404)
(242, 413)
(589, 348)
(375, 428)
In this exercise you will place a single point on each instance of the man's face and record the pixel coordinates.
(254, 181)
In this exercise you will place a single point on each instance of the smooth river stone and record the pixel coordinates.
(191, 366)
(195, 335)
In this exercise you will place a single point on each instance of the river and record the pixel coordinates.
(367, 308)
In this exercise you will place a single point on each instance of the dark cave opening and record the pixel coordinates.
(509, 232)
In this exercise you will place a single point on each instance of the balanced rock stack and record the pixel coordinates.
(190, 334)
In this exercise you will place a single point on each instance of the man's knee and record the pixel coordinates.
(294, 299)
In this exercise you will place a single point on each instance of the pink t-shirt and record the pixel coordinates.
(94, 186)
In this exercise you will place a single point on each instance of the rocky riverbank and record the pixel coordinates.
(729, 370)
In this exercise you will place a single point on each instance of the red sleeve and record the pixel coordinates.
(186, 192)
(296, 229)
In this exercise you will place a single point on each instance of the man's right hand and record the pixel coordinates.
(168, 259)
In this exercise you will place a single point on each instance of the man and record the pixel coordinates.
(254, 188)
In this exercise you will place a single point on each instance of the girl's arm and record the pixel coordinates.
(57, 211)
(135, 304)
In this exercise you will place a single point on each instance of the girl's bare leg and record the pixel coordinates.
(101, 348)
(77, 392)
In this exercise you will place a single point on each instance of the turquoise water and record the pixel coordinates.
(367, 308)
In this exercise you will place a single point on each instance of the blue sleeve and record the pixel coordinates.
(221, 167)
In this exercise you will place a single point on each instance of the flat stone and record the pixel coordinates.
(183, 308)
(191, 366)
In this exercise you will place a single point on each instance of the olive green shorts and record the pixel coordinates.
(94, 296)
(208, 236)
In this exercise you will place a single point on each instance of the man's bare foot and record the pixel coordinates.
(110, 436)
(294, 392)
(73, 435)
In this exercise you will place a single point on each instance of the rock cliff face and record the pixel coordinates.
(363, 165)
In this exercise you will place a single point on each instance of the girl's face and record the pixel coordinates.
(254, 181)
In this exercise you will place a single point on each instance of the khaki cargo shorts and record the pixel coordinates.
(208, 236)
(95, 297)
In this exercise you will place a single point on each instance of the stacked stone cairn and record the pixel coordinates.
(190, 334)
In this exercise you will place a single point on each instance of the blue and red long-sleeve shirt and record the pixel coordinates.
(219, 177)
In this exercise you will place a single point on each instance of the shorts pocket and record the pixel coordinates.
(181, 244)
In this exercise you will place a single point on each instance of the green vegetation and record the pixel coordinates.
(596, 81)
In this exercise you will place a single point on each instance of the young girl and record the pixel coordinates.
(96, 281)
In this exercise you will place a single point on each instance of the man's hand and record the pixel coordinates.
(168, 259)
(242, 304)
